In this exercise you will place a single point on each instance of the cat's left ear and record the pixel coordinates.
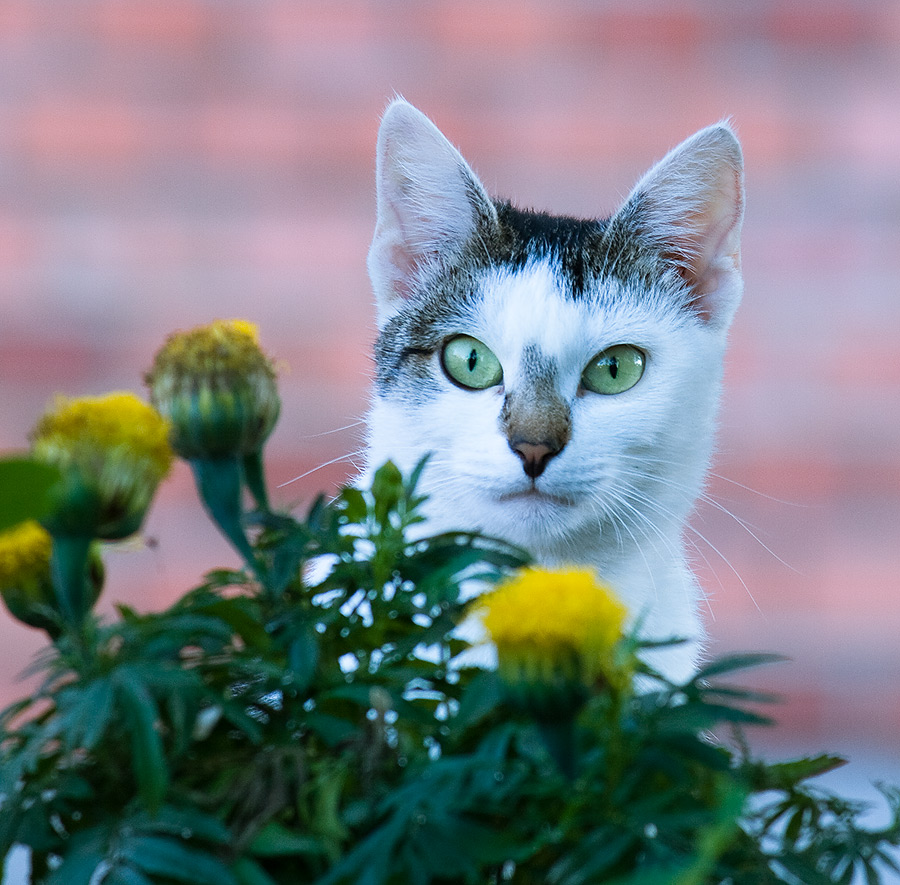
(691, 206)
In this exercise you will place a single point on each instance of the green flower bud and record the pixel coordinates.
(25, 576)
(113, 452)
(217, 389)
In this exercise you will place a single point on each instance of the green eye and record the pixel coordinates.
(470, 363)
(614, 370)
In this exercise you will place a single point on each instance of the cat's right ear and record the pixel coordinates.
(430, 203)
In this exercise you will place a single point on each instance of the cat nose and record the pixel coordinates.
(535, 456)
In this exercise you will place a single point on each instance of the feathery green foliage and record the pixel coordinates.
(305, 719)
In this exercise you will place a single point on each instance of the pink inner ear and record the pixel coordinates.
(404, 267)
(710, 245)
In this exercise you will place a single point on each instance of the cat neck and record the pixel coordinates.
(650, 575)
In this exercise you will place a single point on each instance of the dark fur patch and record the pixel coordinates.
(585, 251)
(535, 412)
(567, 242)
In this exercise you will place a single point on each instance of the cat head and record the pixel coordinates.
(562, 373)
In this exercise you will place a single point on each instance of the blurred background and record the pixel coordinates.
(167, 162)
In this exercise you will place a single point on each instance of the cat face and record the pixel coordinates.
(562, 374)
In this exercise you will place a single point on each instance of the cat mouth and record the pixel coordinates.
(535, 495)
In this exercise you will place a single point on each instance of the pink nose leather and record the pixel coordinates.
(534, 456)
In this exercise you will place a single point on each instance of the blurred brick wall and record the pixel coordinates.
(167, 162)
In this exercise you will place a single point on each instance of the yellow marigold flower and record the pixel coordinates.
(25, 575)
(550, 610)
(113, 451)
(217, 388)
(24, 553)
(556, 632)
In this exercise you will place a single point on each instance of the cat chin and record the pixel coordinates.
(539, 522)
(535, 498)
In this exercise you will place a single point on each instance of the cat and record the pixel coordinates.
(563, 374)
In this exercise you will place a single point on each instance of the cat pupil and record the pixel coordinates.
(473, 359)
(614, 367)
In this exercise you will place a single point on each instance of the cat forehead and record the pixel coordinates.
(533, 305)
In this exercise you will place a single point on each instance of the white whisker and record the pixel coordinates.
(348, 457)
(717, 505)
(727, 562)
(334, 430)
(753, 491)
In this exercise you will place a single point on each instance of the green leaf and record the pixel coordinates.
(803, 869)
(177, 821)
(276, 840)
(220, 483)
(699, 716)
(594, 855)
(217, 578)
(84, 854)
(76, 869)
(741, 694)
(354, 504)
(249, 872)
(416, 474)
(25, 490)
(236, 714)
(387, 487)
(303, 657)
(238, 613)
(368, 862)
(147, 753)
(731, 663)
(332, 729)
(38, 745)
(122, 874)
(786, 775)
(87, 711)
(176, 859)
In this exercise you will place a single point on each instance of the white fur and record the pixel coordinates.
(637, 545)
(618, 495)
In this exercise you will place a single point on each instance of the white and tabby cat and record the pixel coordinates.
(563, 374)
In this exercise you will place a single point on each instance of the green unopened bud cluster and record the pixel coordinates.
(214, 402)
(217, 389)
(26, 583)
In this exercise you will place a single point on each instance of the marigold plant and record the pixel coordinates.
(308, 716)
(25, 582)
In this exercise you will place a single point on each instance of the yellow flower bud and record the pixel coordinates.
(217, 388)
(26, 585)
(556, 633)
(113, 452)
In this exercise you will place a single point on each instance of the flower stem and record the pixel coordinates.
(254, 476)
(559, 739)
(68, 564)
(220, 484)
